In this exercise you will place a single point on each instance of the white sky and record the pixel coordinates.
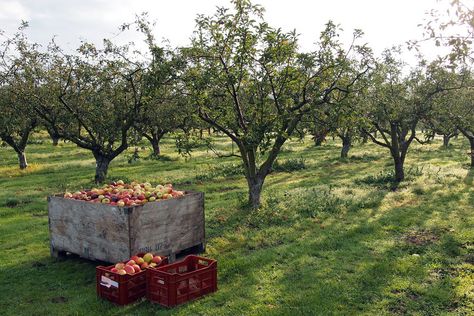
(385, 22)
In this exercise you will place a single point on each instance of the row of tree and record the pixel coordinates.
(240, 76)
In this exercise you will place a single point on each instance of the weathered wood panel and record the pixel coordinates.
(175, 225)
(112, 234)
(93, 231)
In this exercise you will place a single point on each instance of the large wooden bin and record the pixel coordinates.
(112, 234)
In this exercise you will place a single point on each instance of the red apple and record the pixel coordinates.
(120, 266)
(129, 269)
(131, 263)
(135, 258)
(114, 270)
(137, 268)
(156, 259)
(144, 265)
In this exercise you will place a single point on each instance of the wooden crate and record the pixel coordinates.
(112, 234)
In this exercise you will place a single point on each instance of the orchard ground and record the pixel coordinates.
(332, 237)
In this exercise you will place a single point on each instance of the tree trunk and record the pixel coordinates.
(54, 136)
(399, 171)
(346, 146)
(446, 139)
(471, 141)
(319, 138)
(101, 167)
(365, 138)
(155, 144)
(22, 160)
(255, 189)
(154, 138)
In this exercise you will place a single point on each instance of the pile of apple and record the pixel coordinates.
(126, 194)
(137, 264)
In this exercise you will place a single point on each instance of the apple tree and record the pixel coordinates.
(17, 117)
(249, 81)
(461, 112)
(98, 99)
(17, 121)
(398, 103)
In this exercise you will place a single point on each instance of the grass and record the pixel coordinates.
(332, 236)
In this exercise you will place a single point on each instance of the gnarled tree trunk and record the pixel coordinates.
(22, 160)
(471, 141)
(446, 139)
(319, 137)
(54, 136)
(101, 167)
(255, 190)
(154, 138)
(346, 145)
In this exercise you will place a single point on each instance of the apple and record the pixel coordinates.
(119, 266)
(121, 203)
(114, 270)
(68, 195)
(152, 265)
(137, 268)
(141, 197)
(122, 272)
(140, 260)
(120, 182)
(156, 259)
(148, 257)
(135, 258)
(151, 199)
(129, 269)
(105, 201)
(130, 263)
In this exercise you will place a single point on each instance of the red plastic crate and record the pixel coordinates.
(121, 289)
(182, 281)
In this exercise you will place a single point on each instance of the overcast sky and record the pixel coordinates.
(385, 22)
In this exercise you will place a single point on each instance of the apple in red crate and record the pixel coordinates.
(135, 258)
(130, 263)
(122, 272)
(137, 268)
(120, 266)
(152, 265)
(129, 270)
(114, 270)
(148, 257)
(156, 259)
(144, 265)
(140, 260)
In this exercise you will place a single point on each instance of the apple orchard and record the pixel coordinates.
(241, 78)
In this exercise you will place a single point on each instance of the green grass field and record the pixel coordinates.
(331, 239)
